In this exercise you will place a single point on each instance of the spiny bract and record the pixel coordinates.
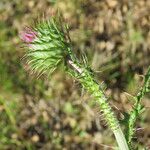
(48, 47)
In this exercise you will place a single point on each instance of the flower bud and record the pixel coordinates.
(47, 45)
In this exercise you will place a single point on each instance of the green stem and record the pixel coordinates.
(120, 138)
(86, 79)
(137, 109)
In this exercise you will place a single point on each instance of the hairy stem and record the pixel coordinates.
(88, 82)
(137, 109)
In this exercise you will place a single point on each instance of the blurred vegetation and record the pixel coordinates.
(54, 112)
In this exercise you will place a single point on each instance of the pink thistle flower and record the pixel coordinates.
(28, 35)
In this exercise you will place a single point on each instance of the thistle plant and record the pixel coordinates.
(137, 108)
(49, 47)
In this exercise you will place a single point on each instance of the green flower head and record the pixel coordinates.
(47, 45)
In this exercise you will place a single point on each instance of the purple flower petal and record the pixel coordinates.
(28, 35)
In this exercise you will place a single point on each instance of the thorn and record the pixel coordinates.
(23, 57)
